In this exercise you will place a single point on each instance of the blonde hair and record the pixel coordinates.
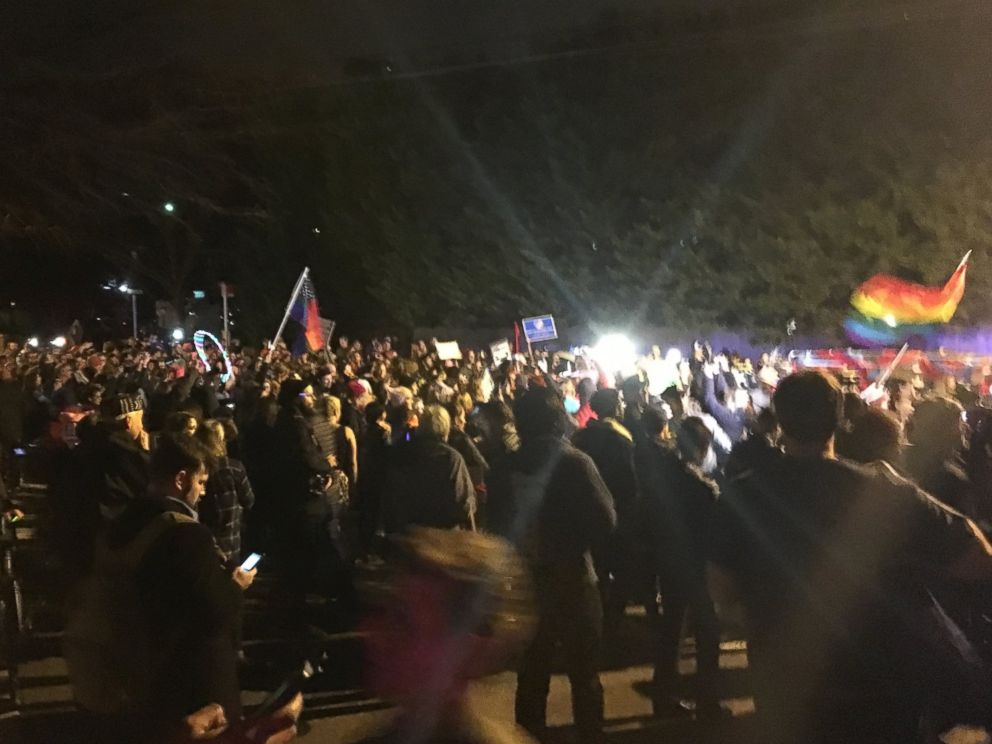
(435, 422)
(330, 407)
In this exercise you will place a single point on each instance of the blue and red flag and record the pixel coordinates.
(307, 314)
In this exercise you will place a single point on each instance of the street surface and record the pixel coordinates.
(339, 711)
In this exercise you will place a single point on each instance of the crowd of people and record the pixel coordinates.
(850, 528)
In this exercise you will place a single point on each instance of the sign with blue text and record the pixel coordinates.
(540, 328)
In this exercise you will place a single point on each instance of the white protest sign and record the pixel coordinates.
(500, 350)
(448, 350)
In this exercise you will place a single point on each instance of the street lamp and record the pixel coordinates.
(169, 207)
(123, 288)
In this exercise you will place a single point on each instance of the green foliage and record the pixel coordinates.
(733, 186)
(529, 197)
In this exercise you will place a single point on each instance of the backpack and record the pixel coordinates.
(107, 646)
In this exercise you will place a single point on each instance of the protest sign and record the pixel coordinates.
(448, 350)
(540, 328)
(500, 351)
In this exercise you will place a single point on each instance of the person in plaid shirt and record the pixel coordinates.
(229, 494)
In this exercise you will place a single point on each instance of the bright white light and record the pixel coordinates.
(169, 207)
(58, 341)
(615, 353)
(123, 288)
(890, 320)
(33, 342)
(178, 334)
(673, 356)
(316, 231)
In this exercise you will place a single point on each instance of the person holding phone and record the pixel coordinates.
(251, 562)
(173, 631)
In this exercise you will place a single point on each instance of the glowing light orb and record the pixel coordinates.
(614, 352)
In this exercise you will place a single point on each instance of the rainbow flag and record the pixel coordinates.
(895, 302)
(865, 331)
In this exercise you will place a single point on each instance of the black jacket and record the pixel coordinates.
(476, 463)
(11, 412)
(296, 459)
(168, 399)
(611, 447)
(841, 558)
(192, 606)
(427, 484)
(550, 501)
(114, 465)
(678, 507)
(373, 454)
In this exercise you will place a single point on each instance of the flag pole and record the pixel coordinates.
(884, 377)
(289, 305)
(327, 343)
(874, 391)
(963, 261)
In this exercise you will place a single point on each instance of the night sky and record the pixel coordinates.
(99, 34)
(305, 39)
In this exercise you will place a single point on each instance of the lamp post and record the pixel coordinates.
(223, 295)
(134, 306)
(125, 289)
(134, 315)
